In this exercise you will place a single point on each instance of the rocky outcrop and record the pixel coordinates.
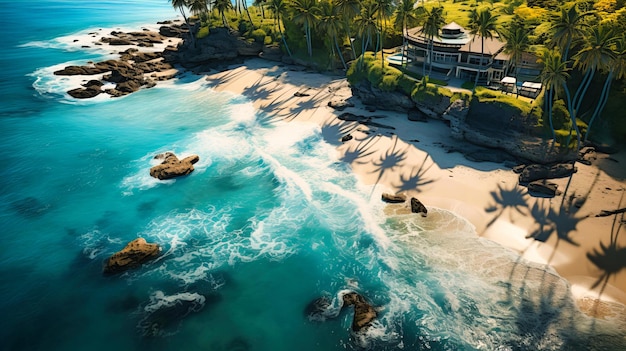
(386, 100)
(172, 167)
(539, 172)
(418, 207)
(129, 73)
(364, 313)
(393, 198)
(133, 255)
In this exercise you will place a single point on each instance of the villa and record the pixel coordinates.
(459, 54)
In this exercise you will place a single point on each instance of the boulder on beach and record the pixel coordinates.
(393, 198)
(133, 255)
(364, 313)
(418, 207)
(173, 167)
(538, 172)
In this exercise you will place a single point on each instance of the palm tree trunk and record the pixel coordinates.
(550, 99)
(582, 89)
(191, 36)
(572, 118)
(347, 24)
(603, 98)
(282, 35)
(343, 62)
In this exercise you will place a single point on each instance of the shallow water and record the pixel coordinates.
(269, 221)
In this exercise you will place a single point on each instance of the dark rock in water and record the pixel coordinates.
(173, 167)
(538, 172)
(84, 93)
(345, 138)
(317, 308)
(543, 188)
(133, 255)
(166, 313)
(30, 207)
(364, 313)
(238, 344)
(418, 207)
(393, 198)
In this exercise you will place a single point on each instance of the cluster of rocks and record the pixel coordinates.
(536, 177)
(416, 205)
(133, 70)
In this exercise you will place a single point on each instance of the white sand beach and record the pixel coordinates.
(413, 157)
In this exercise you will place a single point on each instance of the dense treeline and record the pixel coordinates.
(581, 44)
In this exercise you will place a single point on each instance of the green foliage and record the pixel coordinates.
(375, 72)
(406, 84)
(426, 93)
(203, 32)
(560, 115)
(483, 94)
(467, 85)
(268, 40)
(258, 35)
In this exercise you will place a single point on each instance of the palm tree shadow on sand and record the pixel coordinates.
(391, 159)
(611, 258)
(362, 150)
(514, 199)
(416, 179)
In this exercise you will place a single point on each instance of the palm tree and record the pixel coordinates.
(222, 6)
(482, 23)
(180, 5)
(405, 13)
(517, 43)
(260, 4)
(366, 22)
(433, 23)
(198, 7)
(279, 7)
(553, 75)
(348, 9)
(306, 12)
(383, 11)
(568, 27)
(616, 69)
(596, 54)
(330, 22)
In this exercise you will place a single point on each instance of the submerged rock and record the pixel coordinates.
(133, 255)
(173, 167)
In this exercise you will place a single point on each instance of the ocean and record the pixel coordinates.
(268, 222)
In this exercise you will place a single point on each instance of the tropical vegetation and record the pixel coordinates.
(581, 45)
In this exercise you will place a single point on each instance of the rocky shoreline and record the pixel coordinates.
(136, 69)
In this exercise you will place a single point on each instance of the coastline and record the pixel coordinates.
(397, 155)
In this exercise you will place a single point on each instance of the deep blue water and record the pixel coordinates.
(269, 221)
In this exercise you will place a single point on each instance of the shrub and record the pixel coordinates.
(560, 115)
(406, 84)
(267, 40)
(203, 32)
(258, 35)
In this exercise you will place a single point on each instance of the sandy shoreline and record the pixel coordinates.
(409, 156)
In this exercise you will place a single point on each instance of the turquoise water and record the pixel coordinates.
(268, 222)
